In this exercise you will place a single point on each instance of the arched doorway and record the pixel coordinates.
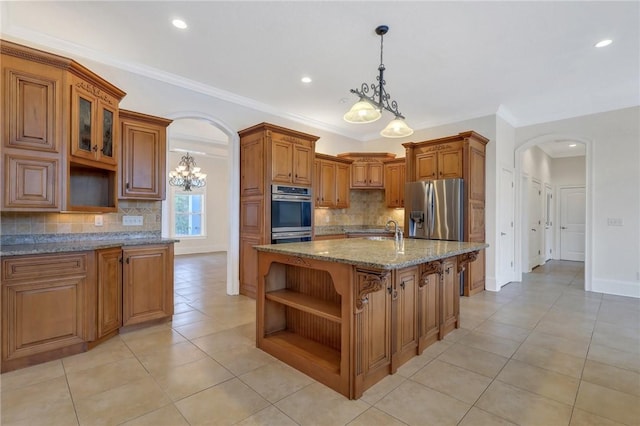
(231, 190)
(522, 206)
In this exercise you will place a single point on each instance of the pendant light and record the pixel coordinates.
(368, 109)
(187, 174)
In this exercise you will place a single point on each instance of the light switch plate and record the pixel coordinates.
(132, 220)
(98, 220)
(614, 221)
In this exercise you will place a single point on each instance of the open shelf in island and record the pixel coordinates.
(322, 308)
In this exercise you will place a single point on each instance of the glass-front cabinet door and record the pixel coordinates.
(107, 133)
(93, 125)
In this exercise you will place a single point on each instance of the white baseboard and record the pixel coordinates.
(199, 249)
(619, 288)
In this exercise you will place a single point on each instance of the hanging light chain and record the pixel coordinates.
(378, 90)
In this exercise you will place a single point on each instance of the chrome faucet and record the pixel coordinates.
(399, 238)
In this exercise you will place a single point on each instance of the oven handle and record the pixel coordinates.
(294, 198)
(285, 235)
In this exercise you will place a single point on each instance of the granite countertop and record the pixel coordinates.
(371, 253)
(77, 242)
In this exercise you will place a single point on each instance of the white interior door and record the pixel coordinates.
(548, 223)
(535, 224)
(506, 229)
(572, 223)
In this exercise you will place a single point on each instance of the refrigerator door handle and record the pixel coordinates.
(431, 205)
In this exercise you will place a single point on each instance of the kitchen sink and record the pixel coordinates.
(379, 238)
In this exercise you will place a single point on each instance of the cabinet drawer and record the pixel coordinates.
(54, 265)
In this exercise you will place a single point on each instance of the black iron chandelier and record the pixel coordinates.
(368, 109)
(187, 174)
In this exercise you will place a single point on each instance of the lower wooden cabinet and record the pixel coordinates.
(406, 318)
(429, 305)
(109, 291)
(450, 294)
(55, 305)
(373, 319)
(147, 286)
(47, 309)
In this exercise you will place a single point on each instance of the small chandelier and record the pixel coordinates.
(368, 109)
(187, 174)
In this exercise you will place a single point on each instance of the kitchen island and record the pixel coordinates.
(349, 312)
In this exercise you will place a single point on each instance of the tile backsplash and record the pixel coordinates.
(366, 207)
(12, 223)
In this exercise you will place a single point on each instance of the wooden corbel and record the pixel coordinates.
(466, 258)
(373, 282)
(430, 268)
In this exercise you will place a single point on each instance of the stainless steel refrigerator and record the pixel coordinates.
(434, 209)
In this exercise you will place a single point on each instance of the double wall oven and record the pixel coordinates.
(291, 210)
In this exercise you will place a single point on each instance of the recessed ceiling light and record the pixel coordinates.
(306, 80)
(179, 23)
(572, 145)
(604, 43)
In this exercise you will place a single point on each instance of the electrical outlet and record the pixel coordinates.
(132, 220)
(98, 220)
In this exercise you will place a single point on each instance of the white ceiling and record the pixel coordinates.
(446, 61)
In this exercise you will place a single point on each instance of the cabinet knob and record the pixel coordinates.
(95, 148)
(402, 285)
(128, 258)
(289, 174)
(127, 185)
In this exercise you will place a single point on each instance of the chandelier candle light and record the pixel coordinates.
(368, 109)
(187, 174)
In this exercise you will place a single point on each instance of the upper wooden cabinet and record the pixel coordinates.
(291, 160)
(331, 184)
(143, 161)
(441, 162)
(59, 129)
(458, 156)
(367, 170)
(94, 130)
(394, 180)
(32, 104)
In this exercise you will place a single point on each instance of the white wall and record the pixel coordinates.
(499, 157)
(613, 182)
(216, 196)
(568, 171)
(537, 165)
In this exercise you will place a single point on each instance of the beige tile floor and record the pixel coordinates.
(541, 352)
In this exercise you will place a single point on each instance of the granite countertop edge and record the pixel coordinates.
(350, 229)
(372, 263)
(81, 243)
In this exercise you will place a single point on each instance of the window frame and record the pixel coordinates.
(174, 211)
